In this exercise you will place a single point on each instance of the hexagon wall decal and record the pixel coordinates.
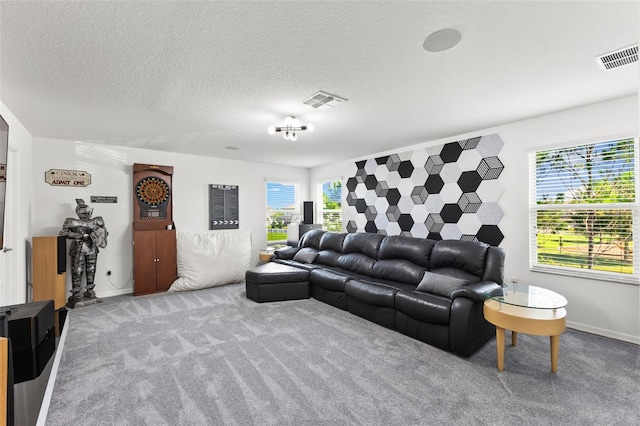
(447, 191)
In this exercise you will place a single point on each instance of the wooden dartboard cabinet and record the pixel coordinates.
(154, 236)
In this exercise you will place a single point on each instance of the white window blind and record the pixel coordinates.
(584, 211)
(282, 209)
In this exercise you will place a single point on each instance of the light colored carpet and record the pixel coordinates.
(213, 357)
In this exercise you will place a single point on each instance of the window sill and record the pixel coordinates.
(588, 274)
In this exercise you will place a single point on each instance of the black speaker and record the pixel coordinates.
(62, 255)
(28, 364)
(307, 212)
(4, 332)
(30, 324)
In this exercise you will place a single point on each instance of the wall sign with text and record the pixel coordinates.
(57, 177)
(223, 207)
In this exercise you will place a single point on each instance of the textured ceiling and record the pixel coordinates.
(194, 77)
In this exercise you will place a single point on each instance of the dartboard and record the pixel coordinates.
(152, 191)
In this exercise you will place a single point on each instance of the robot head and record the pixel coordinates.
(83, 210)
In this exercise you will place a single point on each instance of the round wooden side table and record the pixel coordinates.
(530, 310)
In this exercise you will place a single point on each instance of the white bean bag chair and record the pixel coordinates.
(211, 259)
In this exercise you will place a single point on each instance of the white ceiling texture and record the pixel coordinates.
(196, 77)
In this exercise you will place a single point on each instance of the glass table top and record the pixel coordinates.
(529, 296)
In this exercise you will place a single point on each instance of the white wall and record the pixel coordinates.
(112, 175)
(13, 276)
(601, 307)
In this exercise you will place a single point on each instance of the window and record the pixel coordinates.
(331, 193)
(584, 211)
(282, 209)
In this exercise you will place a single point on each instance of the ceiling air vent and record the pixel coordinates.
(323, 100)
(618, 58)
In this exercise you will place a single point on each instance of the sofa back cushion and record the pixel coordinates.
(328, 257)
(468, 256)
(399, 270)
(356, 262)
(415, 250)
(332, 241)
(494, 266)
(311, 238)
(363, 242)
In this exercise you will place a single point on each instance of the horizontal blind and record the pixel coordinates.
(583, 209)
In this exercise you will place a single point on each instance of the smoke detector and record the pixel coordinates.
(618, 58)
(323, 100)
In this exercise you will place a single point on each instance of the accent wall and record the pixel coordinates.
(449, 191)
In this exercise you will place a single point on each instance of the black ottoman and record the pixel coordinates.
(273, 282)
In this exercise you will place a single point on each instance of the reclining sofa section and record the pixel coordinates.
(430, 290)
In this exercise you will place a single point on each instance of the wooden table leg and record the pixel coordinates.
(500, 346)
(555, 348)
(514, 338)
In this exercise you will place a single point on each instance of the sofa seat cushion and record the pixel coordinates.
(457, 273)
(424, 307)
(371, 293)
(299, 265)
(273, 272)
(328, 279)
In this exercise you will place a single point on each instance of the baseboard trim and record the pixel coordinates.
(112, 293)
(604, 332)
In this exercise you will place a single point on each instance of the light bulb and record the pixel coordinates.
(286, 135)
(271, 130)
(288, 120)
(294, 137)
(310, 127)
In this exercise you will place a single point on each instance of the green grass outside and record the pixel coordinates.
(572, 253)
(276, 236)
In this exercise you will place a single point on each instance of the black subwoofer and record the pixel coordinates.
(29, 324)
(31, 328)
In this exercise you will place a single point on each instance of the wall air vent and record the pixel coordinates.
(323, 100)
(618, 58)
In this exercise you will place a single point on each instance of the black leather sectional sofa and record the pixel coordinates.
(430, 290)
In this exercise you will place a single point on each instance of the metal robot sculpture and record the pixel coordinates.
(87, 234)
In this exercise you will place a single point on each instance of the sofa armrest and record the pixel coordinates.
(285, 253)
(477, 292)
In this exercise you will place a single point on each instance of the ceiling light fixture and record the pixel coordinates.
(291, 126)
(442, 40)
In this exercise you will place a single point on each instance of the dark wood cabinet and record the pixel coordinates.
(154, 261)
(154, 234)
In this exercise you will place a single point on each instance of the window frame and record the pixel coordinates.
(633, 207)
(320, 210)
(294, 213)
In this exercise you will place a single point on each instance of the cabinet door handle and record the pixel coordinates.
(6, 249)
